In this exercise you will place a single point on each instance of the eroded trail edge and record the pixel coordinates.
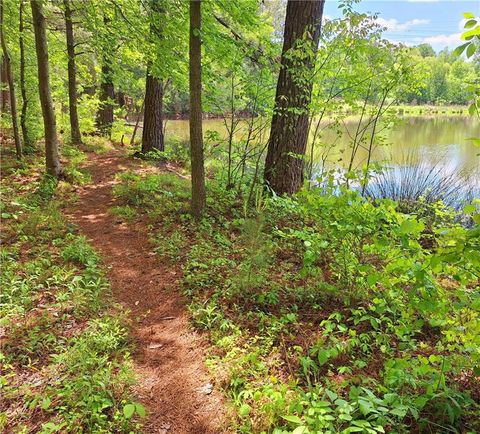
(168, 357)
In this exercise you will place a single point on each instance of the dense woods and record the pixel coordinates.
(275, 270)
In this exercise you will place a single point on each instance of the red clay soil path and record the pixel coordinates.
(168, 356)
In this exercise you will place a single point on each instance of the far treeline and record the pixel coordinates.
(103, 67)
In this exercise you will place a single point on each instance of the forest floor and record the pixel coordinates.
(172, 381)
(303, 312)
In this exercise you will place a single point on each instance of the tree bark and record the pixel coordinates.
(107, 91)
(4, 96)
(11, 86)
(196, 135)
(152, 136)
(120, 98)
(75, 135)
(135, 128)
(52, 159)
(284, 163)
(107, 95)
(23, 88)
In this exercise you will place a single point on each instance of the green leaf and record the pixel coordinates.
(469, 24)
(459, 50)
(140, 409)
(46, 403)
(468, 15)
(407, 227)
(466, 36)
(323, 357)
(244, 410)
(372, 279)
(353, 429)
(331, 395)
(300, 430)
(293, 419)
(362, 423)
(474, 232)
(365, 407)
(468, 209)
(400, 411)
(128, 410)
(471, 50)
(33, 403)
(411, 226)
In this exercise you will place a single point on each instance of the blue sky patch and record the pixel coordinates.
(437, 22)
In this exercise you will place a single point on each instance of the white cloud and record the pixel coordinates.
(451, 40)
(393, 25)
(397, 42)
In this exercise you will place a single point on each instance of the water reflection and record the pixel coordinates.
(433, 138)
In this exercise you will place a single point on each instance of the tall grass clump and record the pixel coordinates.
(414, 181)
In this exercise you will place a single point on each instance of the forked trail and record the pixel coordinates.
(168, 356)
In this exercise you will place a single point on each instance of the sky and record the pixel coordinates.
(437, 22)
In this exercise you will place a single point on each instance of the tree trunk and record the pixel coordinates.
(289, 131)
(152, 136)
(72, 76)
(51, 143)
(196, 135)
(107, 91)
(135, 128)
(23, 89)
(107, 95)
(11, 86)
(4, 96)
(120, 99)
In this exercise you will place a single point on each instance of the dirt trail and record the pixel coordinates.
(168, 358)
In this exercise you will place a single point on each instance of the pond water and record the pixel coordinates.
(434, 143)
(430, 140)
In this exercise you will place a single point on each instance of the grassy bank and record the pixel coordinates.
(431, 110)
(122, 132)
(326, 313)
(65, 364)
